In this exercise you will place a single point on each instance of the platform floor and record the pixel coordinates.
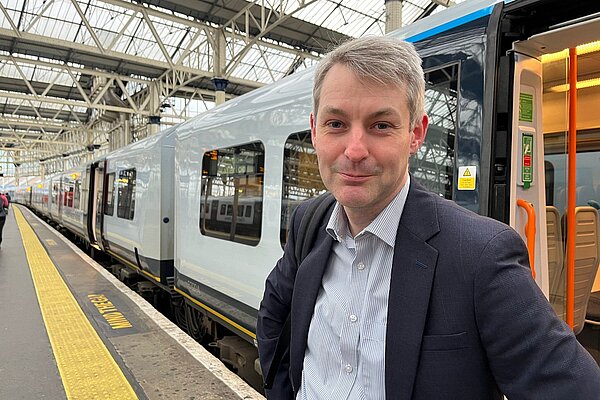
(70, 330)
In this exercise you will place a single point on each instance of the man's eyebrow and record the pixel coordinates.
(379, 113)
(383, 113)
(335, 111)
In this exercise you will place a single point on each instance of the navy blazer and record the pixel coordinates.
(465, 318)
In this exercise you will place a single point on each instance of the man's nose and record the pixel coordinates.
(356, 147)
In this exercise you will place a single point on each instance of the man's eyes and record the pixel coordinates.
(335, 124)
(382, 125)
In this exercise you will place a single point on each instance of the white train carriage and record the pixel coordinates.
(36, 196)
(231, 193)
(55, 198)
(134, 205)
(42, 194)
(71, 205)
(23, 195)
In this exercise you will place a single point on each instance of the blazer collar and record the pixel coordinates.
(306, 288)
(413, 270)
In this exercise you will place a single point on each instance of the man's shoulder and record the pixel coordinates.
(325, 200)
(459, 221)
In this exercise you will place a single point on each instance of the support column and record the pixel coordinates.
(219, 80)
(393, 15)
(154, 119)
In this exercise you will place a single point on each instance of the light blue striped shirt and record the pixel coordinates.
(345, 352)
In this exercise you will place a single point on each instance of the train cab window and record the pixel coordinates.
(433, 165)
(301, 178)
(126, 194)
(109, 206)
(232, 193)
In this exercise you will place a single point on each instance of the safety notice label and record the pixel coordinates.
(466, 177)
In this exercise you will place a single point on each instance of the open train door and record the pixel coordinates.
(95, 216)
(555, 159)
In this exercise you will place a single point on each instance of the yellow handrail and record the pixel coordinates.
(529, 232)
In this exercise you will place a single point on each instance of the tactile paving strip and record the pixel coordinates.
(87, 368)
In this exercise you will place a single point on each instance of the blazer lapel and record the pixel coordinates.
(306, 288)
(413, 270)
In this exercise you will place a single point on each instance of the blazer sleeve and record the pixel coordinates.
(273, 312)
(532, 353)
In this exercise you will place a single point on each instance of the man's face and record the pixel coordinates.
(363, 140)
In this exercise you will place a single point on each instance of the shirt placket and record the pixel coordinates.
(350, 335)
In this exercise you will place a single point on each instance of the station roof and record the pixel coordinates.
(53, 53)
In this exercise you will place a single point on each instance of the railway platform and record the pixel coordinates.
(70, 330)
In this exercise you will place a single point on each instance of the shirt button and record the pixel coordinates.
(348, 368)
(360, 266)
(353, 318)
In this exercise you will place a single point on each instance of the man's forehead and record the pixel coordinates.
(341, 68)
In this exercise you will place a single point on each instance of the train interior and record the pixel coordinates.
(544, 65)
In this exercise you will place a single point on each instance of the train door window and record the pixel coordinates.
(77, 193)
(68, 188)
(126, 194)
(433, 165)
(301, 178)
(109, 206)
(85, 193)
(232, 179)
(54, 197)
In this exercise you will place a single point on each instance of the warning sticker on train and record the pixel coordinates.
(466, 177)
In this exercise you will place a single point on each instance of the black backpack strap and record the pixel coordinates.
(311, 220)
(307, 232)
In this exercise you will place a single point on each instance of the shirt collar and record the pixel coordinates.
(384, 226)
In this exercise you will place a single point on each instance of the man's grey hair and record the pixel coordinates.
(382, 60)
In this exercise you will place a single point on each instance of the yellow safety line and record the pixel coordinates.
(87, 369)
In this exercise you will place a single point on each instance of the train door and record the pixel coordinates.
(555, 163)
(61, 197)
(95, 204)
(100, 180)
(88, 202)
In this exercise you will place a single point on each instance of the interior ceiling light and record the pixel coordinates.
(580, 85)
(581, 50)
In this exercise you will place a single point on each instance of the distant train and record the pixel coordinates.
(201, 209)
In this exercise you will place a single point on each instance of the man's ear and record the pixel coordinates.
(313, 130)
(418, 134)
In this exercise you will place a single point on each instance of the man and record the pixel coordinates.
(3, 213)
(405, 295)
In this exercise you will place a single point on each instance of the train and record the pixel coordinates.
(200, 210)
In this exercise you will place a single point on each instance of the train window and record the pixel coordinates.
(232, 181)
(433, 165)
(109, 206)
(126, 194)
(301, 178)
